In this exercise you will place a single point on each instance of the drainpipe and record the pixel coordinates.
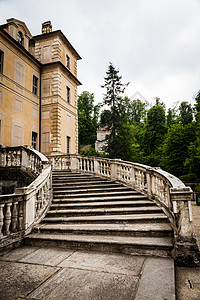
(40, 102)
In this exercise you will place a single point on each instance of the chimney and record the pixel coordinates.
(46, 27)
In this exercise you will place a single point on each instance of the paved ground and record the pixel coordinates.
(58, 274)
(188, 279)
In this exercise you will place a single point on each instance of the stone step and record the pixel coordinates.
(151, 230)
(121, 244)
(76, 179)
(95, 213)
(66, 199)
(132, 218)
(88, 185)
(90, 189)
(103, 211)
(62, 205)
(67, 195)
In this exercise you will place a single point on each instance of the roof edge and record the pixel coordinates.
(58, 32)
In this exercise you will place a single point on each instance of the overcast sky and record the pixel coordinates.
(155, 44)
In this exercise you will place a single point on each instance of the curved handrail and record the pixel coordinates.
(160, 186)
(20, 211)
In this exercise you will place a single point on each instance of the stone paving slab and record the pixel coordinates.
(58, 274)
(157, 281)
(18, 253)
(47, 256)
(188, 283)
(75, 284)
(18, 280)
(112, 263)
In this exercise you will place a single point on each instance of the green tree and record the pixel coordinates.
(176, 148)
(171, 117)
(186, 113)
(105, 118)
(114, 100)
(87, 118)
(193, 161)
(153, 135)
(137, 111)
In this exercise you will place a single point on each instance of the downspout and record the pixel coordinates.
(40, 102)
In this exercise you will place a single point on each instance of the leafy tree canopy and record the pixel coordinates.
(88, 114)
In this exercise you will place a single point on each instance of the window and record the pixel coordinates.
(1, 97)
(18, 105)
(0, 131)
(19, 73)
(45, 142)
(17, 135)
(68, 61)
(1, 61)
(68, 144)
(46, 87)
(68, 94)
(34, 139)
(45, 115)
(35, 113)
(68, 119)
(35, 85)
(20, 37)
(46, 52)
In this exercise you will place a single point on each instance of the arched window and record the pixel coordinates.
(20, 37)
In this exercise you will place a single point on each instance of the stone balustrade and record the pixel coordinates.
(20, 211)
(23, 157)
(166, 190)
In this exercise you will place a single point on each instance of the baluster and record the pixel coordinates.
(36, 203)
(1, 219)
(14, 217)
(21, 216)
(39, 202)
(11, 159)
(7, 159)
(43, 197)
(7, 218)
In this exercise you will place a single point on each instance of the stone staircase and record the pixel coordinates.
(93, 213)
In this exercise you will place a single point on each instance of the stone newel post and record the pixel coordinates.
(186, 249)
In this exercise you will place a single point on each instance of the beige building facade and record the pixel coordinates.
(38, 89)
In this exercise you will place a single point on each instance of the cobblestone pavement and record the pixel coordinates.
(188, 279)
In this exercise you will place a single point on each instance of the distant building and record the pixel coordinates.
(38, 89)
(100, 143)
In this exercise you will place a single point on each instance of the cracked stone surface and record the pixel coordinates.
(50, 273)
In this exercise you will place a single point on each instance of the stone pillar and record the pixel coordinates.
(186, 248)
(113, 169)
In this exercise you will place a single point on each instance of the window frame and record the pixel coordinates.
(20, 38)
(1, 61)
(34, 139)
(68, 61)
(68, 94)
(68, 144)
(19, 73)
(46, 142)
(46, 88)
(18, 131)
(35, 85)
